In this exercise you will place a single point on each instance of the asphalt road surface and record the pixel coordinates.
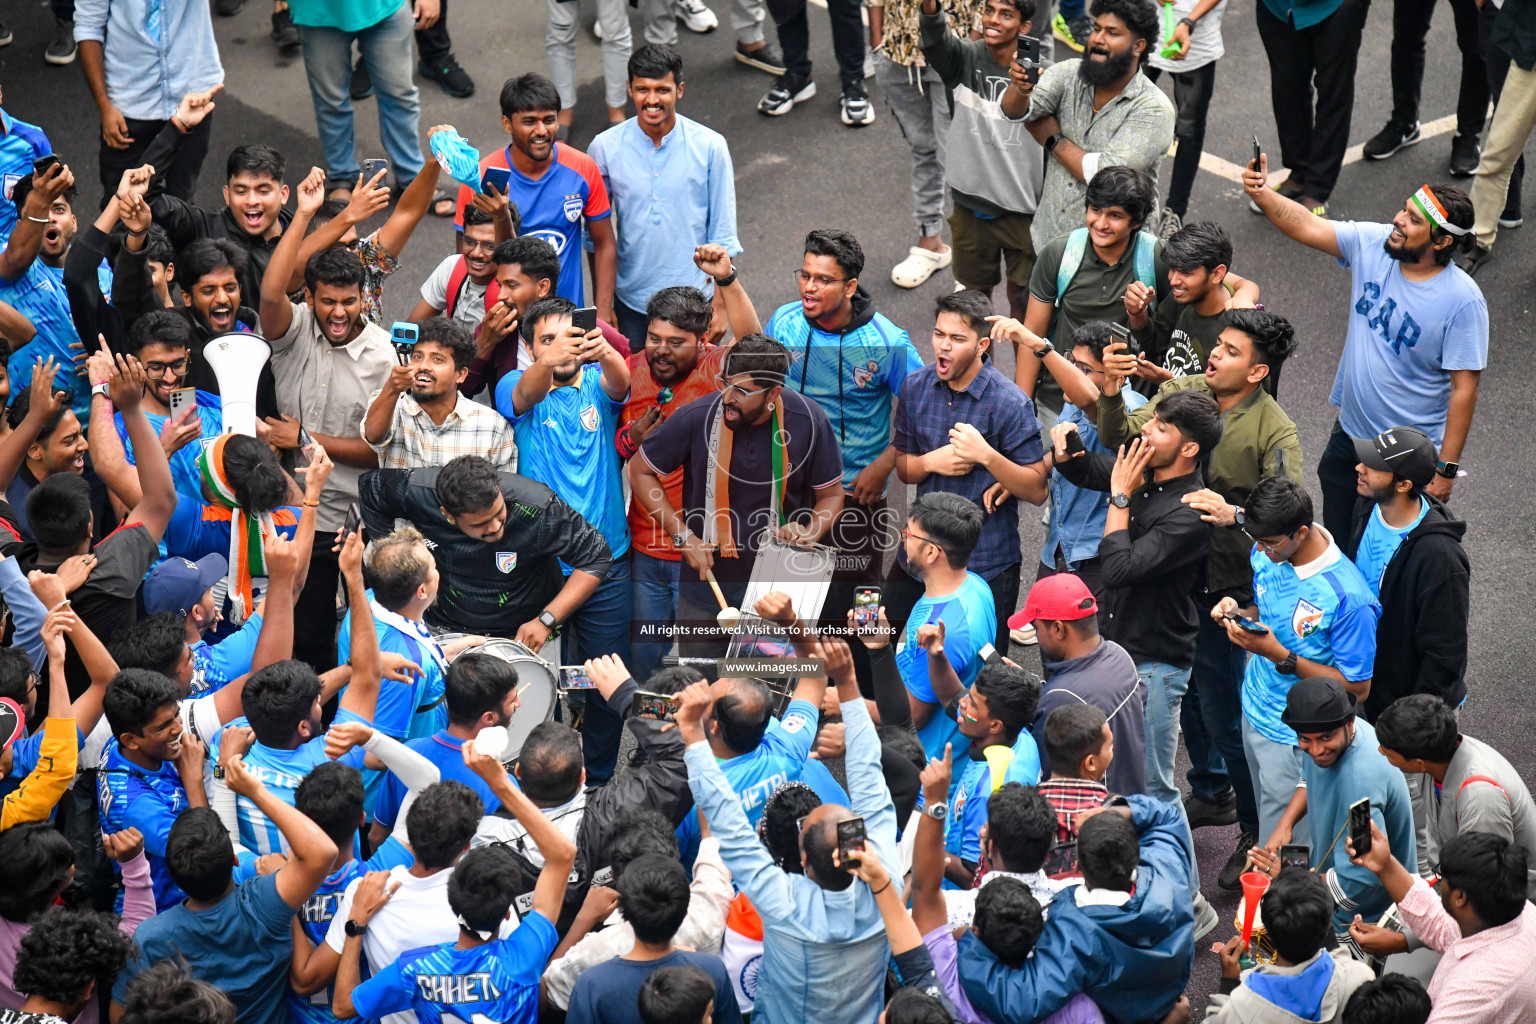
(807, 170)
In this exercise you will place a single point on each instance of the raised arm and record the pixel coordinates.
(368, 198)
(310, 851)
(41, 790)
(614, 372)
(32, 220)
(44, 402)
(362, 694)
(559, 851)
(49, 590)
(534, 384)
(276, 311)
(739, 312)
(157, 498)
(1295, 220)
(414, 203)
(928, 907)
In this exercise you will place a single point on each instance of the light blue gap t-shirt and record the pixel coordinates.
(970, 621)
(1380, 542)
(566, 443)
(1323, 612)
(1404, 338)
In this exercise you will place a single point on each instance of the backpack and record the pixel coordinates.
(459, 277)
(1143, 258)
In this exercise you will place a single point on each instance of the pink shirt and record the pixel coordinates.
(1487, 978)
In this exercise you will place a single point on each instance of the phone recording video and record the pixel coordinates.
(585, 319)
(850, 841)
(1296, 855)
(866, 608)
(574, 677)
(655, 705)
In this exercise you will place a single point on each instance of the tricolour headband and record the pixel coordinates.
(1426, 201)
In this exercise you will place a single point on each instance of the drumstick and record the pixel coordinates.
(719, 595)
(525, 686)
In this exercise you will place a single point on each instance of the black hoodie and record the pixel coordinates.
(1421, 638)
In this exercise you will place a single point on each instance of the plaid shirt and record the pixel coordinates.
(1069, 796)
(470, 429)
(995, 406)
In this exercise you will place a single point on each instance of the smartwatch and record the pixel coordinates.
(1239, 516)
(354, 929)
(547, 620)
(1044, 350)
(1448, 469)
(104, 389)
(727, 280)
(1120, 500)
(938, 811)
(1286, 666)
(1052, 142)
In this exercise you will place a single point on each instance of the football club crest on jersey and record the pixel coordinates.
(1306, 619)
(589, 418)
(572, 208)
(506, 561)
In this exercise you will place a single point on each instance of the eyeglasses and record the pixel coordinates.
(1085, 367)
(923, 540)
(1273, 547)
(177, 368)
(740, 393)
(818, 280)
(470, 245)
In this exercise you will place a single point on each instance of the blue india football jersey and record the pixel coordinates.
(566, 442)
(1380, 542)
(20, 145)
(1325, 613)
(497, 983)
(970, 622)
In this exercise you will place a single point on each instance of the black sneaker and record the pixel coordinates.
(284, 32)
(1232, 870)
(786, 92)
(1290, 188)
(227, 8)
(856, 108)
(62, 49)
(767, 57)
(1203, 812)
(1511, 217)
(362, 82)
(1474, 260)
(449, 74)
(1391, 139)
(1465, 151)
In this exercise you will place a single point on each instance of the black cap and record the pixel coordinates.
(1317, 704)
(1401, 451)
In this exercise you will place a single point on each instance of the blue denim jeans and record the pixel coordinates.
(1165, 692)
(654, 584)
(1276, 768)
(388, 52)
(601, 626)
(1212, 717)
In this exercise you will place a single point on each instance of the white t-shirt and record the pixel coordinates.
(1205, 43)
(434, 290)
(416, 915)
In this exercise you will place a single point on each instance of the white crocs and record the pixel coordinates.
(919, 266)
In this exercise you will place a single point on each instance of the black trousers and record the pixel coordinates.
(180, 177)
(1336, 478)
(433, 44)
(1312, 89)
(314, 614)
(1410, 29)
(847, 36)
(1496, 64)
(1192, 92)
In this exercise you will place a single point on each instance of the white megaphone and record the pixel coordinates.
(236, 359)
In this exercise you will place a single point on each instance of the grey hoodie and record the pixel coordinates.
(1244, 1006)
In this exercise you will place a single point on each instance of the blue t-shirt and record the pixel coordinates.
(1324, 612)
(970, 622)
(150, 801)
(447, 752)
(217, 664)
(20, 145)
(606, 992)
(1404, 338)
(498, 981)
(242, 945)
(281, 771)
(1380, 542)
(197, 528)
(979, 780)
(38, 294)
(184, 472)
(316, 914)
(396, 713)
(566, 442)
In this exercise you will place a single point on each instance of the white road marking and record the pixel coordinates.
(1234, 172)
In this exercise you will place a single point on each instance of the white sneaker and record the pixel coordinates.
(869, 63)
(1025, 634)
(597, 30)
(919, 266)
(695, 15)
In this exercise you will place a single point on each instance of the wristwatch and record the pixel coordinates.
(1044, 350)
(1448, 469)
(680, 540)
(1239, 516)
(354, 929)
(1120, 500)
(547, 620)
(104, 389)
(1052, 142)
(1286, 666)
(938, 811)
(1190, 22)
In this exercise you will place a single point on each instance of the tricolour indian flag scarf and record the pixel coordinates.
(245, 529)
(717, 487)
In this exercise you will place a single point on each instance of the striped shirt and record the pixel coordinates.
(470, 429)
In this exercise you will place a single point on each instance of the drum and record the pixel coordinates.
(537, 687)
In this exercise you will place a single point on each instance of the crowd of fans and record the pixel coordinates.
(281, 571)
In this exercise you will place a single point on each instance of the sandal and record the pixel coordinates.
(444, 204)
(919, 266)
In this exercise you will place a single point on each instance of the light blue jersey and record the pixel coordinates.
(1380, 542)
(498, 981)
(21, 144)
(1404, 339)
(214, 665)
(970, 622)
(187, 478)
(316, 914)
(566, 443)
(38, 294)
(1322, 611)
(978, 781)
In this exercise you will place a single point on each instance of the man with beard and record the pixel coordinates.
(677, 366)
(1094, 111)
(557, 190)
(563, 410)
(32, 279)
(1258, 439)
(961, 426)
(161, 341)
(1179, 335)
(1418, 332)
(421, 418)
(775, 469)
(328, 361)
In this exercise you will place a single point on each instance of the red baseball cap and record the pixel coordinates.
(1060, 598)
